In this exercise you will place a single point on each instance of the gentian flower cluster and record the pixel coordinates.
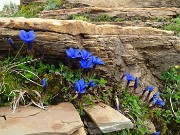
(87, 60)
(27, 37)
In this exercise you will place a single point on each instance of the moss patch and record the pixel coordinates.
(174, 26)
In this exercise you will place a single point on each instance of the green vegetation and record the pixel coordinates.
(83, 17)
(166, 120)
(104, 18)
(174, 26)
(137, 111)
(53, 4)
(100, 18)
(29, 11)
(171, 95)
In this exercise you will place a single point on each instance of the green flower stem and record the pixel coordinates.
(17, 53)
(80, 105)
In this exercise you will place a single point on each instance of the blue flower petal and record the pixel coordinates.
(44, 82)
(129, 77)
(27, 37)
(85, 54)
(151, 88)
(159, 102)
(23, 35)
(91, 84)
(31, 34)
(156, 95)
(97, 60)
(86, 64)
(73, 53)
(156, 133)
(80, 86)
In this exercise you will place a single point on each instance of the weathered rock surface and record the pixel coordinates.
(129, 3)
(108, 119)
(147, 49)
(128, 13)
(60, 119)
(28, 1)
(76, 27)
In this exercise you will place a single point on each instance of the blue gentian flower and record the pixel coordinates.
(129, 78)
(97, 60)
(85, 64)
(11, 42)
(91, 84)
(155, 97)
(73, 53)
(156, 133)
(151, 88)
(27, 37)
(159, 102)
(44, 84)
(148, 88)
(136, 84)
(85, 54)
(80, 86)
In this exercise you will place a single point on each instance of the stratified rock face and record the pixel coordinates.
(129, 3)
(60, 119)
(128, 13)
(108, 119)
(145, 50)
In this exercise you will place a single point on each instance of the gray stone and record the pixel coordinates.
(107, 118)
(60, 119)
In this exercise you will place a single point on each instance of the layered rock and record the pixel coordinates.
(60, 119)
(146, 50)
(129, 3)
(125, 13)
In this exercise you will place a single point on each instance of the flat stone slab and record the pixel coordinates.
(59, 119)
(107, 118)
